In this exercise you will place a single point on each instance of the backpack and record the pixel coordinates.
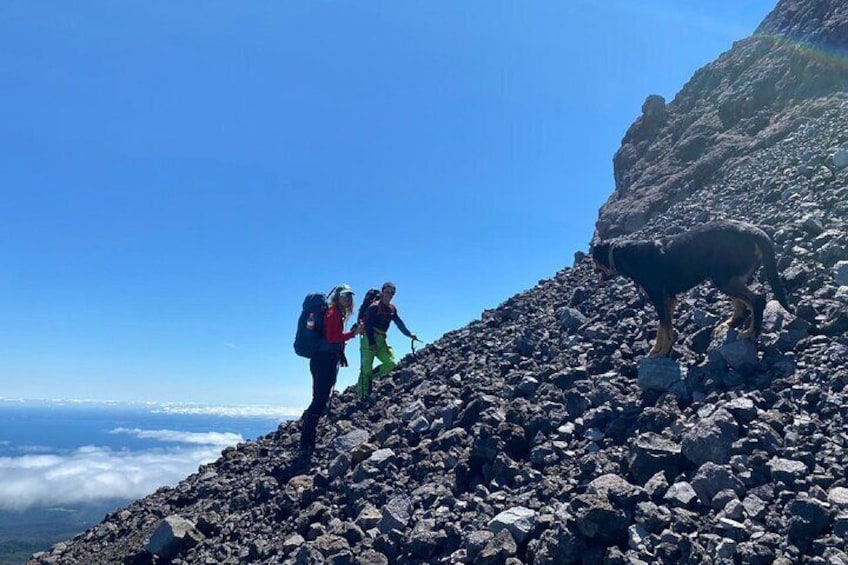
(372, 296)
(310, 325)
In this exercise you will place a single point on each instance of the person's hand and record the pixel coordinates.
(415, 338)
(343, 360)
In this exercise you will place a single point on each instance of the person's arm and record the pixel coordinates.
(401, 326)
(335, 330)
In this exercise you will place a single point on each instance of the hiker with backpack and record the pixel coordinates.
(321, 337)
(375, 324)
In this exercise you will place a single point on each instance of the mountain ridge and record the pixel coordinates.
(539, 433)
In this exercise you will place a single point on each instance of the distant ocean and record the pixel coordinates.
(64, 464)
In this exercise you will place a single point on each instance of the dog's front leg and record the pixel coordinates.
(670, 303)
(664, 305)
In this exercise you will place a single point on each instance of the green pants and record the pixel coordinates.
(366, 373)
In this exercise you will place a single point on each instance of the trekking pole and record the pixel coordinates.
(412, 345)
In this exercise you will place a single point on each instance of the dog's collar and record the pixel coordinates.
(611, 258)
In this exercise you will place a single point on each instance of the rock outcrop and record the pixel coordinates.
(536, 434)
(759, 92)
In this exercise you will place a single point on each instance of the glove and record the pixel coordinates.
(343, 360)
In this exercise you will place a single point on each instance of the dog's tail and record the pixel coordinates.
(770, 265)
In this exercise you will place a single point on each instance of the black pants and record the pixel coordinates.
(325, 369)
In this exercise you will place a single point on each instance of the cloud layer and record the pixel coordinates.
(93, 473)
(271, 412)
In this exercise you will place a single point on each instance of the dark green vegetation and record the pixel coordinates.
(25, 532)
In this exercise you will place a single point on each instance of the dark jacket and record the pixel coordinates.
(379, 316)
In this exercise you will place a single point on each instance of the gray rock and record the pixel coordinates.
(347, 442)
(395, 514)
(292, 543)
(618, 491)
(840, 158)
(477, 540)
(834, 556)
(381, 458)
(704, 319)
(838, 496)
(173, 536)
(339, 466)
(659, 373)
(732, 529)
(812, 225)
(419, 425)
(742, 409)
(371, 557)
(656, 486)
(734, 510)
(598, 520)
(368, 518)
(712, 479)
(527, 387)
(651, 454)
(711, 439)
(636, 536)
(330, 545)
(680, 494)
(740, 355)
(840, 273)
(570, 319)
(498, 549)
(754, 507)
(519, 520)
(787, 470)
(412, 411)
(807, 518)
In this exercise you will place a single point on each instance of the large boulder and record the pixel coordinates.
(650, 454)
(712, 479)
(711, 438)
(173, 536)
(519, 520)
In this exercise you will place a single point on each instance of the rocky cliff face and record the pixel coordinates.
(537, 434)
(757, 93)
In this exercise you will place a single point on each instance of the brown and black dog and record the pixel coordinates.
(725, 252)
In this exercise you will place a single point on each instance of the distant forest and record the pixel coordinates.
(25, 532)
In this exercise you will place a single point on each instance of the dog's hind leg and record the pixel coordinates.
(739, 311)
(670, 304)
(756, 303)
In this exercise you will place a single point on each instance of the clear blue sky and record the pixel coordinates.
(175, 176)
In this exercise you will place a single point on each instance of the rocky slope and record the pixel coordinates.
(537, 435)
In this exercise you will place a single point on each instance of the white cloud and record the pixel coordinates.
(250, 411)
(93, 473)
(220, 439)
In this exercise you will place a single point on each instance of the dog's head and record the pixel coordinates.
(603, 262)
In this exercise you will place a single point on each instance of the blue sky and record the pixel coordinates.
(175, 176)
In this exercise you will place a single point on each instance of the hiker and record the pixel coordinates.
(325, 363)
(376, 322)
